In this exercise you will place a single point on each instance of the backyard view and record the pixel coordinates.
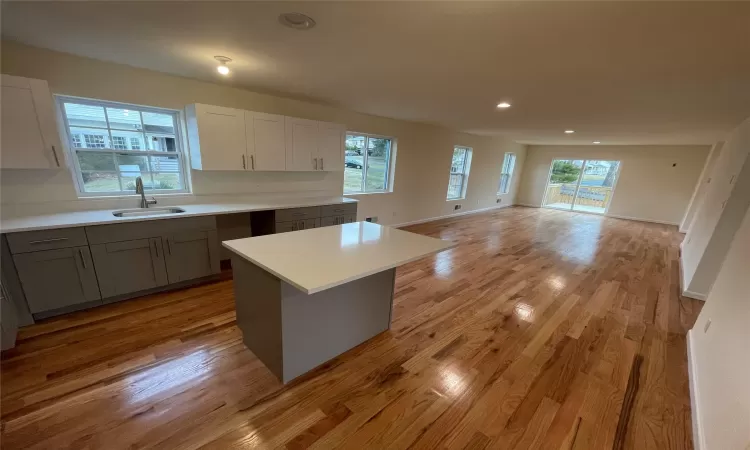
(366, 171)
(593, 194)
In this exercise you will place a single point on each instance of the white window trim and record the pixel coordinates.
(391, 164)
(465, 173)
(510, 174)
(71, 150)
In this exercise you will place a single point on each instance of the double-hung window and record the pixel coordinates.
(459, 173)
(112, 144)
(509, 163)
(367, 163)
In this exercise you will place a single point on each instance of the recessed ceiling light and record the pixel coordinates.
(569, 131)
(503, 105)
(298, 21)
(597, 142)
(222, 67)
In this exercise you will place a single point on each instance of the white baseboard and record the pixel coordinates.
(638, 219)
(695, 417)
(465, 213)
(528, 205)
(695, 295)
(685, 292)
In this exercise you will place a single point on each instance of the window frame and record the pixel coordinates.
(72, 151)
(509, 173)
(388, 184)
(465, 170)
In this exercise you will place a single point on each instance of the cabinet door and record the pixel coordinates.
(29, 139)
(217, 137)
(191, 254)
(308, 223)
(285, 227)
(327, 221)
(129, 266)
(53, 279)
(266, 148)
(331, 146)
(301, 144)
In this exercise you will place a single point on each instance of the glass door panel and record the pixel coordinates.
(597, 184)
(562, 184)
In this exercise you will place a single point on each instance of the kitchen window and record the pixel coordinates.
(459, 175)
(111, 144)
(367, 163)
(506, 175)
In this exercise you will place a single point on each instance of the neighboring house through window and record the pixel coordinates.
(367, 163)
(459, 175)
(509, 163)
(112, 144)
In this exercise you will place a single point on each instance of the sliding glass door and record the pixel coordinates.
(581, 185)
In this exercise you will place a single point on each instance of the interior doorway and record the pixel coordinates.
(581, 185)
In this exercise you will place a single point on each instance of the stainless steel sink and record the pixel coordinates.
(140, 212)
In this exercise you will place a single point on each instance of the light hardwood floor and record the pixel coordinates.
(541, 329)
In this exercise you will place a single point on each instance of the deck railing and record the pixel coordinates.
(597, 196)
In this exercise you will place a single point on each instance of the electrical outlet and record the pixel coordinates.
(707, 326)
(456, 207)
(394, 213)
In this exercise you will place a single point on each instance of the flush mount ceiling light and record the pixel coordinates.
(222, 67)
(597, 142)
(298, 21)
(503, 105)
(569, 131)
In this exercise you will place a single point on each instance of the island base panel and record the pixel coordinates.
(293, 332)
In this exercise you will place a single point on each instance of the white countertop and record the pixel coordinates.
(321, 258)
(104, 216)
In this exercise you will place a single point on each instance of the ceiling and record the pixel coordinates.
(615, 72)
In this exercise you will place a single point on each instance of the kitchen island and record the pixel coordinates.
(302, 298)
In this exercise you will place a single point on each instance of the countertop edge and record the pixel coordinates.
(315, 290)
(231, 208)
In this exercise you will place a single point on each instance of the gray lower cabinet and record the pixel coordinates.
(129, 266)
(338, 220)
(191, 254)
(54, 279)
(296, 225)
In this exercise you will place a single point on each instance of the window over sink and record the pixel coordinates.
(111, 144)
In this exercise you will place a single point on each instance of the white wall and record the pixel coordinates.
(720, 358)
(648, 187)
(422, 162)
(699, 194)
(726, 200)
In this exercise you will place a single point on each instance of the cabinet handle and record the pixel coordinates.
(321, 163)
(46, 241)
(83, 260)
(169, 245)
(294, 226)
(54, 153)
(316, 163)
(156, 249)
(252, 161)
(243, 162)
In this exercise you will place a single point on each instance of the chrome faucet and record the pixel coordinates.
(139, 190)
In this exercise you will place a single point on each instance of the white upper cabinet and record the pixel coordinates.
(331, 146)
(265, 141)
(30, 138)
(234, 139)
(301, 144)
(217, 138)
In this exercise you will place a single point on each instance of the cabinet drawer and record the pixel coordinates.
(31, 241)
(287, 215)
(327, 221)
(338, 210)
(102, 234)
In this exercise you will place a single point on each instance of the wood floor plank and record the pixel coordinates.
(521, 336)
